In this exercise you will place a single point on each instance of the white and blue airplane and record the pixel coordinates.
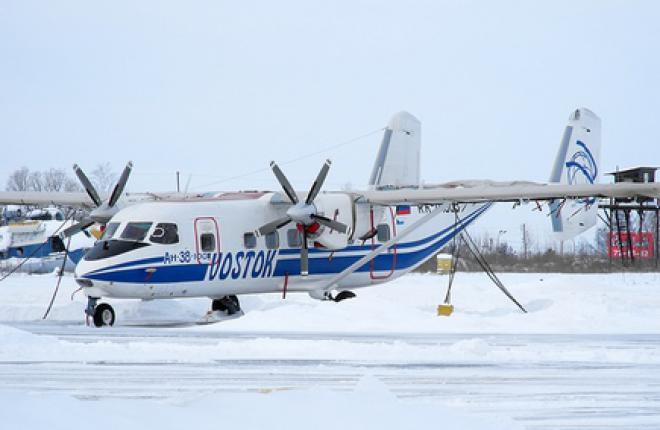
(324, 243)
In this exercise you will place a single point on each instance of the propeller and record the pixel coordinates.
(104, 210)
(303, 213)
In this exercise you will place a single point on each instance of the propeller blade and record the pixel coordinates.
(272, 226)
(77, 228)
(318, 183)
(87, 185)
(330, 223)
(284, 182)
(304, 255)
(121, 184)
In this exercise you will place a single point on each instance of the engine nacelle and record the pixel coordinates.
(337, 206)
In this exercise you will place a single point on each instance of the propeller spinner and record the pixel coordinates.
(303, 213)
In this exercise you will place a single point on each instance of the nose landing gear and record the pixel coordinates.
(101, 314)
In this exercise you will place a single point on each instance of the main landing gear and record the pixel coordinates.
(226, 307)
(327, 295)
(101, 314)
(227, 304)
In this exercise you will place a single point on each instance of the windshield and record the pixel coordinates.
(136, 231)
(110, 230)
(110, 248)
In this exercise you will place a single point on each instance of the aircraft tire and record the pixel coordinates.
(346, 294)
(104, 315)
(228, 304)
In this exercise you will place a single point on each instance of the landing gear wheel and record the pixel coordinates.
(104, 315)
(344, 295)
(228, 304)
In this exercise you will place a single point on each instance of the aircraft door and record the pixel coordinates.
(207, 238)
(385, 229)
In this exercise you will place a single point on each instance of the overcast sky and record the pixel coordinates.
(217, 89)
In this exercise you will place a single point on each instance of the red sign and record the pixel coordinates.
(642, 245)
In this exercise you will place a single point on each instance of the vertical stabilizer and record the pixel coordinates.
(397, 163)
(577, 162)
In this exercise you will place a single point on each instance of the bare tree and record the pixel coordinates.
(57, 180)
(50, 180)
(71, 185)
(35, 181)
(53, 180)
(103, 178)
(18, 180)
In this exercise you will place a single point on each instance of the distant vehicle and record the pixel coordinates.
(326, 244)
(31, 233)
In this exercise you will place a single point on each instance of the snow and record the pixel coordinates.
(557, 303)
(383, 359)
(368, 405)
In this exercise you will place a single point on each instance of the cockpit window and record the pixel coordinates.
(136, 231)
(110, 230)
(165, 233)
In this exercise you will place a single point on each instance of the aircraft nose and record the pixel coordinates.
(82, 269)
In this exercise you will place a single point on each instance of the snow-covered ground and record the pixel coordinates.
(587, 355)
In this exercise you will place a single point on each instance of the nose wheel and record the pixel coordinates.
(101, 314)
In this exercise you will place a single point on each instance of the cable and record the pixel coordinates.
(293, 160)
(481, 260)
(455, 255)
(483, 263)
(59, 278)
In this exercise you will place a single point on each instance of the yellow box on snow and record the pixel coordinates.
(445, 309)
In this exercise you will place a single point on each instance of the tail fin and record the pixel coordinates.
(397, 163)
(577, 162)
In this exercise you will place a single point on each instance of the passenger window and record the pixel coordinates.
(110, 230)
(383, 232)
(207, 240)
(273, 240)
(250, 240)
(165, 233)
(136, 231)
(293, 238)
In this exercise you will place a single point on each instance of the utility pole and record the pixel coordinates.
(178, 185)
(524, 240)
(657, 241)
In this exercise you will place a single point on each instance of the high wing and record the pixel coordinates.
(43, 198)
(490, 191)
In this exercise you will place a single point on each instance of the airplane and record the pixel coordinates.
(33, 233)
(324, 243)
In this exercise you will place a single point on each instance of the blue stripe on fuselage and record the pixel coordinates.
(174, 273)
(382, 262)
(150, 260)
(162, 275)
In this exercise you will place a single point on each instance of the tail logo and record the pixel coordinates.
(582, 169)
(582, 166)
